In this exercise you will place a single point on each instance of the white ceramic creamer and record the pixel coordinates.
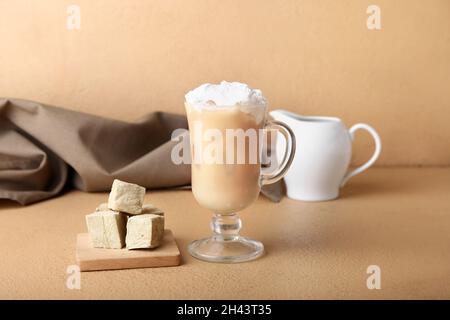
(324, 149)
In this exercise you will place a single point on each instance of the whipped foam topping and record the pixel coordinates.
(225, 94)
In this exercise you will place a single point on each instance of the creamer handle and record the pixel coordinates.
(375, 155)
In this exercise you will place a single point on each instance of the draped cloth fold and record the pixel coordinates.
(44, 149)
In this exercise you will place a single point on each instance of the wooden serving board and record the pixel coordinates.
(91, 259)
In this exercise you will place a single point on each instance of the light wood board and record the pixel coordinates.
(91, 259)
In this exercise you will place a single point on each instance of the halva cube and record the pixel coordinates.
(144, 231)
(102, 207)
(151, 209)
(107, 229)
(126, 197)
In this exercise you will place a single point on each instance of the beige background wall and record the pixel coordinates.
(314, 57)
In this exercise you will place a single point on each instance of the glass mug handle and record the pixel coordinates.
(278, 174)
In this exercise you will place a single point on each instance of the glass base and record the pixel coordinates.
(226, 245)
(217, 249)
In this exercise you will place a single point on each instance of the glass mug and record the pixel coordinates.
(227, 176)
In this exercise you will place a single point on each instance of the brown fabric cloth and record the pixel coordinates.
(45, 148)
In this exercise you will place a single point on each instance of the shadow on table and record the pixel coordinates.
(9, 204)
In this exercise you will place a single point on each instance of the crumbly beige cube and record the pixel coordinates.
(126, 197)
(107, 229)
(102, 207)
(144, 231)
(151, 209)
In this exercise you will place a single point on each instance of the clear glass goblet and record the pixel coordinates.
(227, 173)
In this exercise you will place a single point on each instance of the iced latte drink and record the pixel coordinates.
(228, 125)
(221, 182)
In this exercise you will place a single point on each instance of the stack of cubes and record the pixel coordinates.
(125, 220)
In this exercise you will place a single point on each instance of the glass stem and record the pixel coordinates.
(226, 226)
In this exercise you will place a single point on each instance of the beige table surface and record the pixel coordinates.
(398, 219)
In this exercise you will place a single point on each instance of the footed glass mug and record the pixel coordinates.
(226, 149)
